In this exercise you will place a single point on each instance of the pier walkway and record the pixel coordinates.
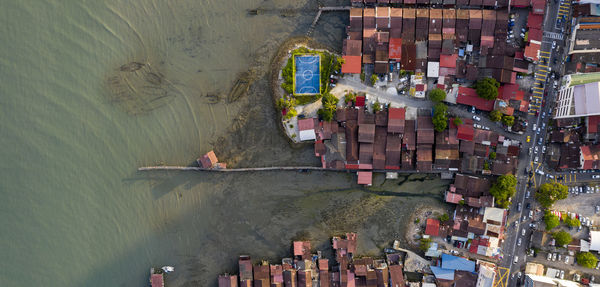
(325, 9)
(275, 168)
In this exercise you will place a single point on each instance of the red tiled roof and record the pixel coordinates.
(592, 124)
(519, 3)
(465, 132)
(468, 96)
(519, 55)
(531, 51)
(360, 101)
(453, 197)
(352, 64)
(365, 177)
(534, 34)
(433, 227)
(306, 124)
(395, 48)
(208, 160)
(157, 280)
(448, 61)
(534, 21)
(538, 6)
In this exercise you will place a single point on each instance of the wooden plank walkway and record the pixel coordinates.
(325, 9)
(274, 168)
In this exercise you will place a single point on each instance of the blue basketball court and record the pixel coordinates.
(307, 78)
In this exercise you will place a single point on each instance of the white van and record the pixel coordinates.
(516, 259)
(540, 172)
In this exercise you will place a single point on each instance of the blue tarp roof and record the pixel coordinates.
(457, 263)
(441, 273)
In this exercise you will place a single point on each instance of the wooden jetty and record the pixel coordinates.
(318, 16)
(273, 168)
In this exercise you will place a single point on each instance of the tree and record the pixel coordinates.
(440, 117)
(562, 238)
(374, 79)
(487, 88)
(349, 97)
(508, 120)
(291, 112)
(327, 115)
(493, 155)
(444, 217)
(376, 106)
(329, 102)
(548, 193)
(437, 95)
(572, 221)
(362, 76)
(457, 121)
(587, 259)
(503, 189)
(495, 115)
(551, 220)
(425, 244)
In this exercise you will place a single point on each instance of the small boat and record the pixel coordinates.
(168, 269)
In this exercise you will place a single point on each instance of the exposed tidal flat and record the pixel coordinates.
(78, 119)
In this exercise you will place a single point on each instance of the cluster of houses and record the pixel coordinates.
(573, 144)
(476, 224)
(396, 139)
(398, 269)
(449, 44)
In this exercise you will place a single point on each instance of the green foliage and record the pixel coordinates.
(329, 102)
(495, 115)
(437, 95)
(286, 103)
(440, 117)
(444, 217)
(503, 189)
(486, 165)
(305, 99)
(350, 97)
(327, 66)
(562, 238)
(337, 65)
(291, 112)
(461, 202)
(572, 221)
(508, 120)
(548, 193)
(551, 220)
(362, 76)
(425, 244)
(457, 121)
(587, 259)
(374, 79)
(376, 106)
(327, 115)
(526, 36)
(493, 155)
(487, 88)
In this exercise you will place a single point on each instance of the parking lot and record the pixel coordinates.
(583, 200)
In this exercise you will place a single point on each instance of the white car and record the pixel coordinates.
(486, 128)
(523, 232)
(476, 118)
(519, 242)
(536, 159)
(536, 149)
(567, 259)
(477, 126)
(562, 274)
(553, 256)
(549, 257)
(596, 176)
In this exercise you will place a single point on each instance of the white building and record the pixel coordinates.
(578, 101)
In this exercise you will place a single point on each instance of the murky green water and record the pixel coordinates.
(76, 124)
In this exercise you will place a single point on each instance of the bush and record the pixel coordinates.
(444, 217)
(362, 76)
(551, 220)
(487, 88)
(326, 115)
(425, 244)
(493, 155)
(587, 259)
(349, 97)
(508, 120)
(457, 121)
(495, 115)
(562, 238)
(376, 106)
(503, 189)
(572, 221)
(291, 112)
(374, 79)
(437, 95)
(548, 193)
(440, 117)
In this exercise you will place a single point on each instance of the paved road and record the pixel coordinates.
(534, 161)
(460, 111)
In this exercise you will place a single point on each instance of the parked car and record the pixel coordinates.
(549, 257)
(553, 256)
(596, 176)
(523, 232)
(567, 259)
(553, 44)
(527, 196)
(531, 214)
(528, 205)
(519, 242)
(476, 118)
(519, 207)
